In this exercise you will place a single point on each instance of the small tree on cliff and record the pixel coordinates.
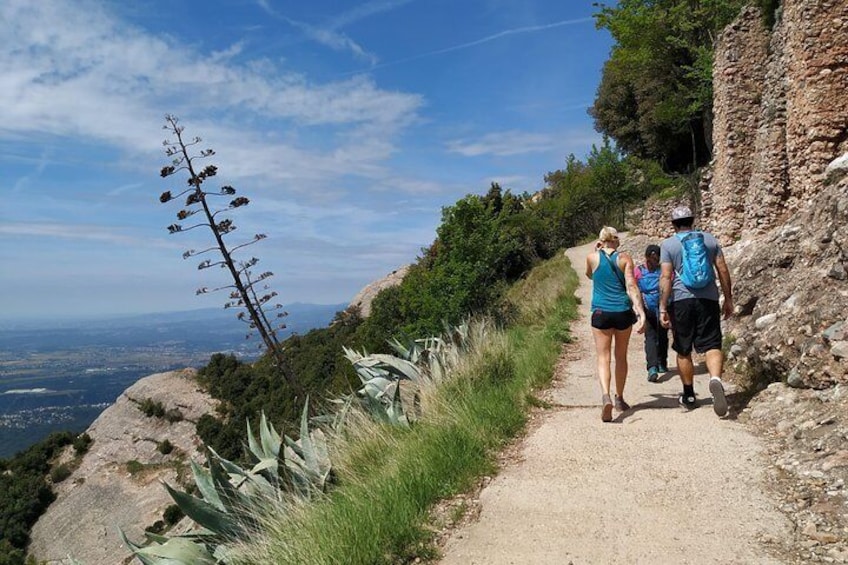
(250, 293)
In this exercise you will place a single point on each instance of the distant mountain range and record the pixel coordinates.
(205, 327)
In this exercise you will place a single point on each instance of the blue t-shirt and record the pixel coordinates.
(608, 292)
(671, 251)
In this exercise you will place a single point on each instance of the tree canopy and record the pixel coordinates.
(655, 94)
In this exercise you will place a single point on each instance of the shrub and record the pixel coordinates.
(133, 467)
(158, 527)
(152, 408)
(59, 473)
(81, 443)
(172, 514)
(165, 447)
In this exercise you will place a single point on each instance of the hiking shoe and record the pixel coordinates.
(653, 375)
(620, 404)
(663, 369)
(606, 410)
(719, 399)
(688, 401)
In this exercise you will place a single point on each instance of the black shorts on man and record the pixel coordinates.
(695, 323)
(613, 320)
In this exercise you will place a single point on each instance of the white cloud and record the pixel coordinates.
(503, 144)
(71, 70)
(87, 232)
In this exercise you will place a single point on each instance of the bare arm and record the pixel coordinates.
(626, 264)
(666, 271)
(589, 267)
(724, 281)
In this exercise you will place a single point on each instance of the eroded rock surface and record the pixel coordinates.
(118, 483)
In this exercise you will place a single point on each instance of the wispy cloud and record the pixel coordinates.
(76, 72)
(115, 236)
(503, 144)
(329, 34)
(487, 39)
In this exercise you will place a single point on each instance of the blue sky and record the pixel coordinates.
(349, 125)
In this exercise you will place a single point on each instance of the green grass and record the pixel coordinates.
(389, 478)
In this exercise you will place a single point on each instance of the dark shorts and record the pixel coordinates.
(613, 320)
(695, 323)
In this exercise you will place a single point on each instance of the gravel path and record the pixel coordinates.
(657, 485)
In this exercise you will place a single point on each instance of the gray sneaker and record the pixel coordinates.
(719, 399)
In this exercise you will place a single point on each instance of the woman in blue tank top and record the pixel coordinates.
(615, 296)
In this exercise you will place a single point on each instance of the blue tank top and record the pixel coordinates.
(608, 292)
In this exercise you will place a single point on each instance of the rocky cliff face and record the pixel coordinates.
(781, 118)
(118, 483)
(775, 194)
(781, 115)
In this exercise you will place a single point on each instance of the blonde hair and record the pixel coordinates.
(608, 233)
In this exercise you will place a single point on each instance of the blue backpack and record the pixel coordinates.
(697, 269)
(649, 286)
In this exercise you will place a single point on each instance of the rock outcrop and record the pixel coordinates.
(781, 128)
(118, 483)
(781, 115)
(363, 299)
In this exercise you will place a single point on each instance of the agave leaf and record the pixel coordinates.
(269, 437)
(394, 365)
(206, 514)
(203, 480)
(395, 410)
(263, 465)
(135, 549)
(228, 465)
(157, 538)
(177, 551)
(306, 445)
(376, 388)
(235, 502)
(252, 443)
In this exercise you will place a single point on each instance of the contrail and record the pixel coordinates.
(515, 31)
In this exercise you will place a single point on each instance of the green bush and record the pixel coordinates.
(134, 467)
(165, 447)
(59, 473)
(172, 514)
(152, 408)
(81, 443)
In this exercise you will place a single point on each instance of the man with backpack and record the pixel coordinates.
(647, 278)
(689, 303)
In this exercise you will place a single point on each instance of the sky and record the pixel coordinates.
(348, 124)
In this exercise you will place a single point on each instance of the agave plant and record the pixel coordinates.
(423, 361)
(231, 496)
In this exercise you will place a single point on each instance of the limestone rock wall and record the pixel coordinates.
(739, 71)
(781, 115)
(102, 494)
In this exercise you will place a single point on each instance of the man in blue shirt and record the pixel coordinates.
(693, 313)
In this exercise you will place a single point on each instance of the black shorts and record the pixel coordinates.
(613, 320)
(695, 322)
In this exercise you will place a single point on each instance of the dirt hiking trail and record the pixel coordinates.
(656, 485)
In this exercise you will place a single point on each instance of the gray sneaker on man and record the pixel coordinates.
(719, 399)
